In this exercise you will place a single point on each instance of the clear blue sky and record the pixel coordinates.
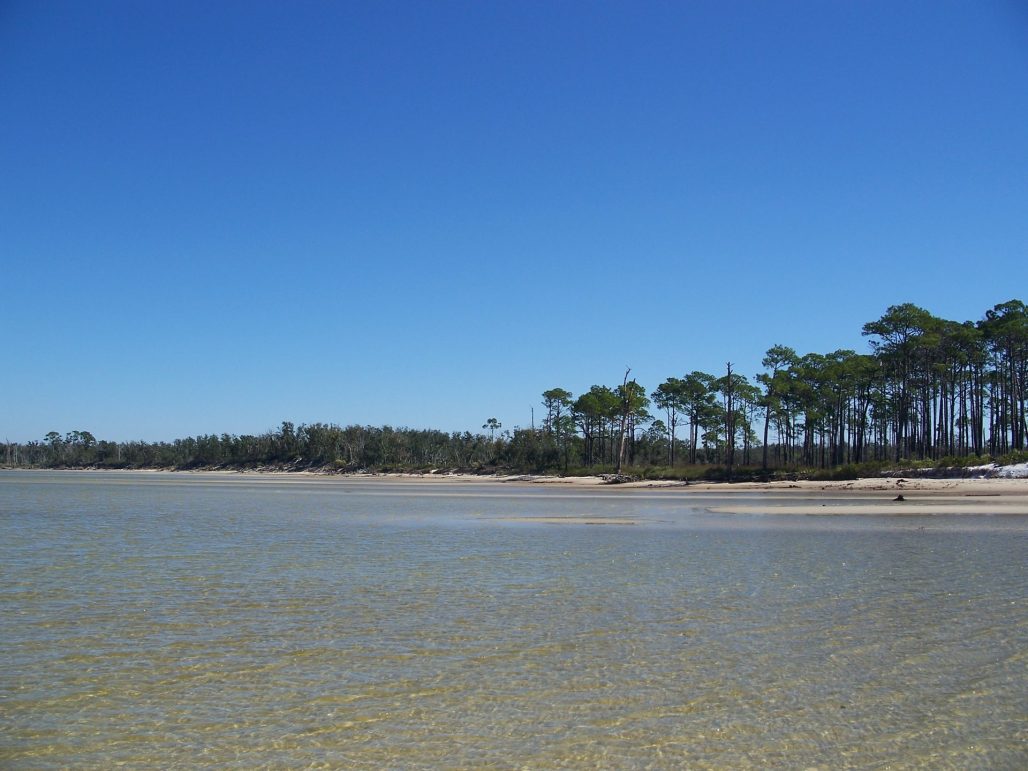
(215, 216)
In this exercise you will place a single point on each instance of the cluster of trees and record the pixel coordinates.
(305, 446)
(929, 389)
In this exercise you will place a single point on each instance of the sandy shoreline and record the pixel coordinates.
(871, 496)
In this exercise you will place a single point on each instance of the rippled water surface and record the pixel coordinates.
(161, 621)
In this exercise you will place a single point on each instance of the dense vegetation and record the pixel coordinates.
(930, 391)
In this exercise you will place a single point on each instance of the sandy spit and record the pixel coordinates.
(871, 496)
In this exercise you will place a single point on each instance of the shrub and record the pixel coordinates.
(1013, 458)
(962, 461)
(846, 472)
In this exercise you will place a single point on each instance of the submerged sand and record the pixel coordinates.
(871, 496)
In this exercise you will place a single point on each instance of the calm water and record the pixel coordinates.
(161, 621)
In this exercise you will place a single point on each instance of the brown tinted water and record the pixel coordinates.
(176, 620)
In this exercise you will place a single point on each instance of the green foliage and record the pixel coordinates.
(910, 465)
(963, 461)
(736, 474)
(666, 473)
(1013, 458)
(587, 471)
(846, 472)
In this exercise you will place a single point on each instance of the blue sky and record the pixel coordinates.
(218, 216)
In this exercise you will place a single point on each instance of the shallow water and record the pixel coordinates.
(161, 621)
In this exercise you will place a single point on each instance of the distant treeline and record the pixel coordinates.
(929, 391)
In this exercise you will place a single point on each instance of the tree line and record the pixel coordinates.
(928, 389)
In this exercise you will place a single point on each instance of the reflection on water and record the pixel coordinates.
(176, 620)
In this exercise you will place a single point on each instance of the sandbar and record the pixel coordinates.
(877, 496)
(873, 496)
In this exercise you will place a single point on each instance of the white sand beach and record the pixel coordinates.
(871, 496)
